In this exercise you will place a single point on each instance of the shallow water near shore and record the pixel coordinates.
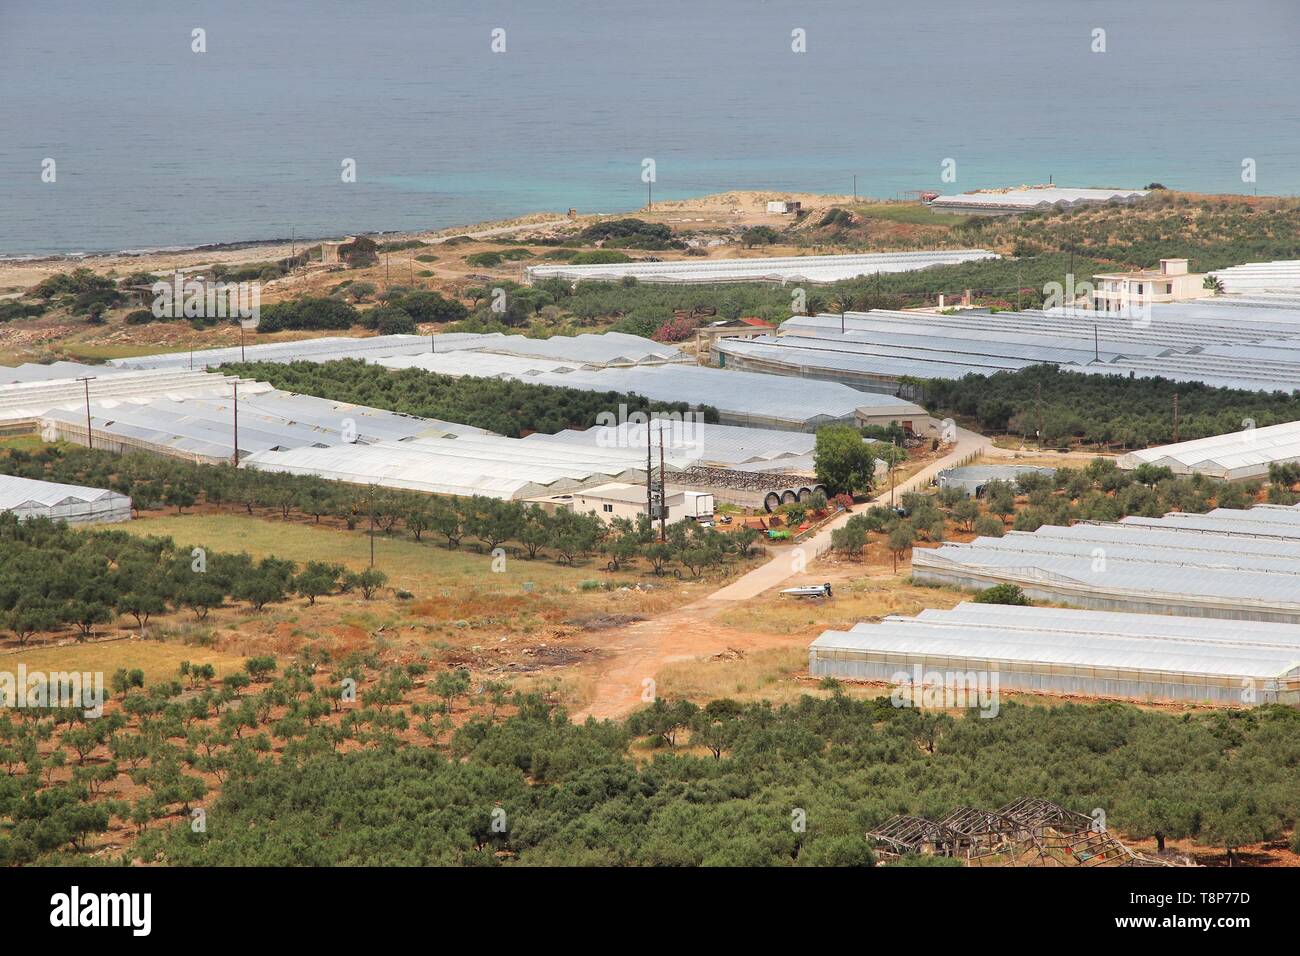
(158, 146)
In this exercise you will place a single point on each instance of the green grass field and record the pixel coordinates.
(461, 589)
(92, 352)
(421, 567)
(22, 442)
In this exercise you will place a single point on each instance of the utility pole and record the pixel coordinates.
(855, 187)
(241, 341)
(372, 526)
(650, 195)
(663, 490)
(649, 476)
(1175, 418)
(893, 442)
(1096, 344)
(86, 380)
(236, 424)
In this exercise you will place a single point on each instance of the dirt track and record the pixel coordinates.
(634, 653)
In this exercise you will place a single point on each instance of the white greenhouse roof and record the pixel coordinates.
(324, 349)
(32, 372)
(770, 399)
(1034, 197)
(1278, 276)
(689, 442)
(597, 350)
(268, 419)
(1192, 630)
(28, 498)
(1078, 640)
(784, 356)
(1231, 342)
(740, 394)
(1241, 454)
(982, 473)
(609, 362)
(1243, 559)
(815, 269)
(993, 332)
(593, 350)
(18, 493)
(488, 465)
(32, 399)
(480, 364)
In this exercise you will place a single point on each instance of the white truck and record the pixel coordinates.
(697, 506)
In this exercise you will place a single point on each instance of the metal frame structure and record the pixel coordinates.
(1026, 832)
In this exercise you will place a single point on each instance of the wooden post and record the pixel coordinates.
(90, 438)
(236, 424)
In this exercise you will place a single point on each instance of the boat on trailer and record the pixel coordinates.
(812, 590)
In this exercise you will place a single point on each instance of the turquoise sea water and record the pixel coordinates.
(156, 145)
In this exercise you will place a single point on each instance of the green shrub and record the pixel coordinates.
(599, 257)
(1002, 594)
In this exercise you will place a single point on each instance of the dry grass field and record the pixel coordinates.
(159, 660)
(439, 603)
(860, 595)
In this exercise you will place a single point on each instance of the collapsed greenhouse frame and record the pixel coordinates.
(1026, 832)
